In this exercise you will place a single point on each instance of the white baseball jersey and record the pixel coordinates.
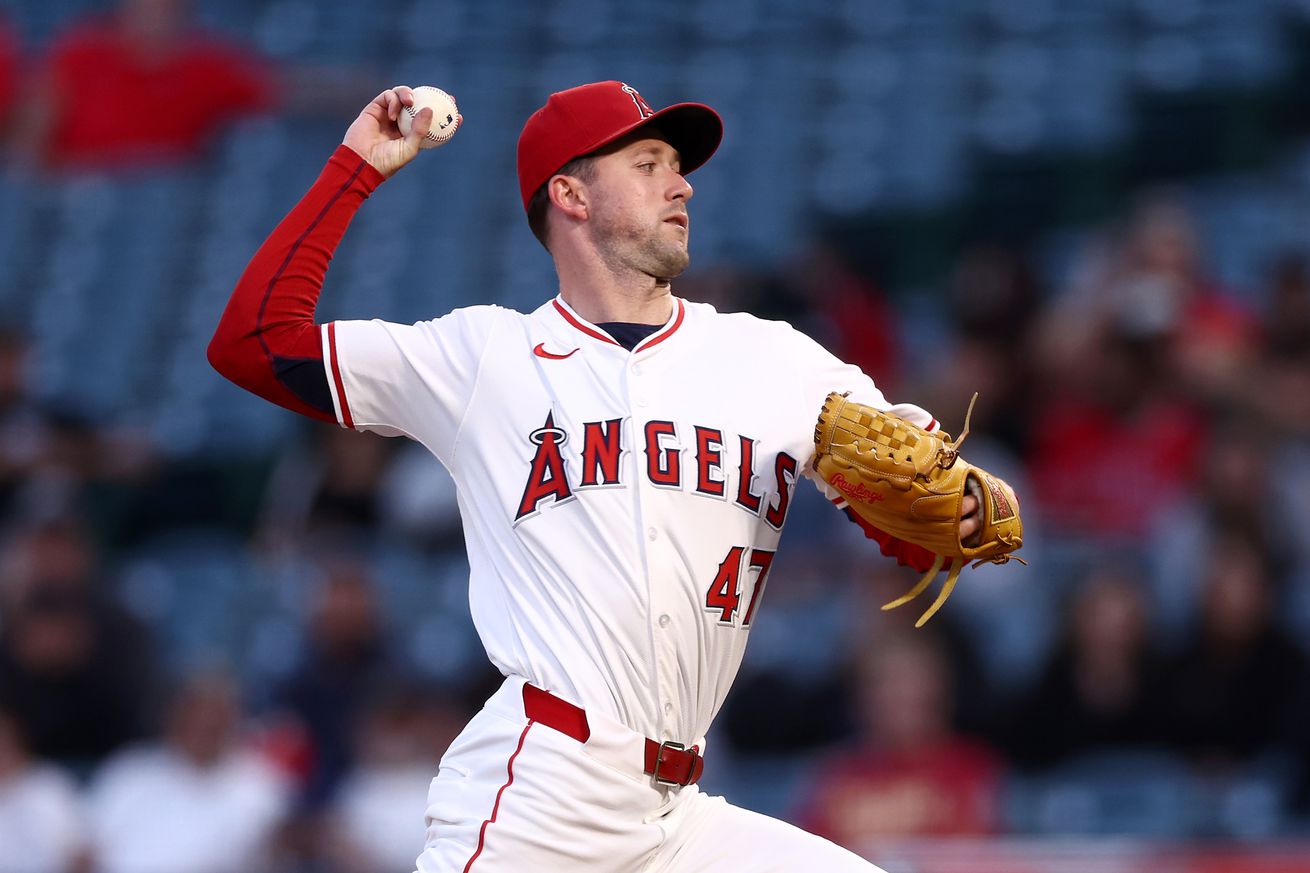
(621, 509)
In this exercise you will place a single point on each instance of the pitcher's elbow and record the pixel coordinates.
(221, 358)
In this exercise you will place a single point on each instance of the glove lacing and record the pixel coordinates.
(949, 453)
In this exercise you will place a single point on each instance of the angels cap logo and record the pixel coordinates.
(642, 106)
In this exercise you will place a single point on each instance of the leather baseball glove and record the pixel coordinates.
(910, 483)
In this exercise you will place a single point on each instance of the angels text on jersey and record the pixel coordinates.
(692, 458)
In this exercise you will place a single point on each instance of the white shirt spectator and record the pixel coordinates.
(375, 813)
(153, 810)
(40, 821)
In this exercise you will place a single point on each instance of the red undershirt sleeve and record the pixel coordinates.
(267, 341)
(906, 554)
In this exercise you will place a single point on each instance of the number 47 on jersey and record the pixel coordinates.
(726, 590)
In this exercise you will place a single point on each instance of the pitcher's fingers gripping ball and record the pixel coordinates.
(445, 116)
(911, 483)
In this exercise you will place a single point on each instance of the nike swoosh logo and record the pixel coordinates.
(540, 351)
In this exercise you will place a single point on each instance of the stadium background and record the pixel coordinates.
(1094, 212)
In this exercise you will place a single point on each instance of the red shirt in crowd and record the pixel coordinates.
(8, 69)
(946, 788)
(119, 103)
(1099, 473)
(866, 328)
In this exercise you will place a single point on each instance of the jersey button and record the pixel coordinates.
(641, 401)
(668, 707)
(636, 369)
(652, 534)
(664, 620)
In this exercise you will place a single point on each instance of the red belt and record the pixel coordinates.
(669, 762)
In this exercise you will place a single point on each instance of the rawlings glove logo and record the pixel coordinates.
(855, 490)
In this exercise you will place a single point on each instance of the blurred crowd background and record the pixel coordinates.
(231, 640)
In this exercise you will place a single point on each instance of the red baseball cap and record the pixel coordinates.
(581, 120)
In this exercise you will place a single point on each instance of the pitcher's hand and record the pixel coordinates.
(969, 524)
(375, 136)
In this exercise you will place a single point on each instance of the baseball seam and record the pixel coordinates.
(445, 135)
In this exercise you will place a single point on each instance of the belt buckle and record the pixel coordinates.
(659, 761)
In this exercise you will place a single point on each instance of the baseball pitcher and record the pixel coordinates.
(625, 460)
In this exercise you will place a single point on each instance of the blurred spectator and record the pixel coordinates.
(48, 455)
(1100, 689)
(994, 300)
(1287, 321)
(376, 821)
(197, 801)
(971, 701)
(9, 67)
(784, 702)
(726, 287)
(357, 487)
(27, 435)
(346, 658)
(912, 775)
(1151, 289)
(419, 500)
(1284, 374)
(1236, 494)
(76, 671)
(1240, 689)
(798, 692)
(1108, 459)
(41, 821)
(137, 87)
(346, 497)
(331, 493)
(1141, 330)
(852, 316)
(977, 364)
(1282, 395)
(994, 294)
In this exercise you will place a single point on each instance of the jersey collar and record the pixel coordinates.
(579, 323)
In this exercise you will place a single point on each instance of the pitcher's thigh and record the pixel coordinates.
(514, 798)
(713, 836)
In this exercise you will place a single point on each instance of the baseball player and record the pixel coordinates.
(625, 460)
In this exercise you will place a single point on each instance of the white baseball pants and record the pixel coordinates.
(516, 796)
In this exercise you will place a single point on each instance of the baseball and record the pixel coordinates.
(445, 115)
